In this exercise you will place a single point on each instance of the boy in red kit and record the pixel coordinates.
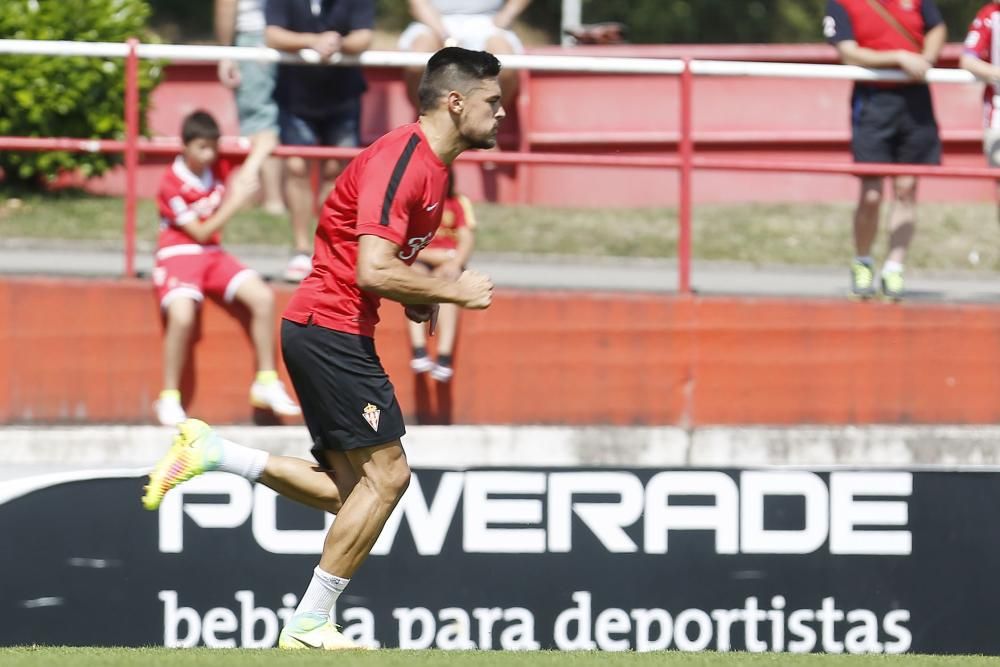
(446, 257)
(194, 207)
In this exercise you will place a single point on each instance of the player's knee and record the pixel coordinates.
(392, 484)
(259, 299)
(905, 189)
(871, 196)
(297, 167)
(181, 313)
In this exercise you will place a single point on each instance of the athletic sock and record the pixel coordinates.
(322, 594)
(419, 352)
(444, 360)
(864, 259)
(243, 461)
(892, 267)
(170, 395)
(266, 377)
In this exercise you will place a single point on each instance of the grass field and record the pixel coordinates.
(951, 237)
(85, 657)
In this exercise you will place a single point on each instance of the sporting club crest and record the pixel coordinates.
(371, 415)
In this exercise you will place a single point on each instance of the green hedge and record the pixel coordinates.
(49, 96)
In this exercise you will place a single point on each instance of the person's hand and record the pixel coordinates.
(419, 313)
(229, 73)
(327, 43)
(501, 21)
(475, 290)
(449, 270)
(914, 64)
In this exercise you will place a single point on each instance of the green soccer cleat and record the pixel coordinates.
(309, 631)
(862, 280)
(196, 450)
(892, 285)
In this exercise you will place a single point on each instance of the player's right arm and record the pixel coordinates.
(381, 271)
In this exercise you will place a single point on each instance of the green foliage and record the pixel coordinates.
(49, 96)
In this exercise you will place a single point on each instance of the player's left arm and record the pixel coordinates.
(509, 12)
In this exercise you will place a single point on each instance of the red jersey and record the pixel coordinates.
(983, 42)
(184, 198)
(856, 20)
(394, 189)
(457, 214)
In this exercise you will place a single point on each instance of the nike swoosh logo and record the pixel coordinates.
(432, 207)
(307, 644)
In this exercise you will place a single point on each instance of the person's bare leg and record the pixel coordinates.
(307, 483)
(383, 475)
(271, 183)
(180, 314)
(903, 219)
(866, 215)
(330, 171)
(259, 299)
(298, 191)
(426, 42)
(447, 328)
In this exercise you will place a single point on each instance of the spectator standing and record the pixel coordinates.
(445, 257)
(478, 25)
(194, 207)
(317, 105)
(241, 23)
(981, 57)
(890, 122)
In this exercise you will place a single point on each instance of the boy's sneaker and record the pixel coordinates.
(309, 631)
(298, 268)
(442, 373)
(272, 396)
(196, 449)
(421, 364)
(862, 280)
(169, 411)
(892, 285)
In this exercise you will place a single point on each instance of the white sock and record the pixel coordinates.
(322, 594)
(243, 461)
(892, 267)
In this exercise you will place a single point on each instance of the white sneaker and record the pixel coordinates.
(169, 411)
(298, 268)
(442, 373)
(421, 364)
(272, 396)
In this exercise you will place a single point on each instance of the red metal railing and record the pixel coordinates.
(686, 161)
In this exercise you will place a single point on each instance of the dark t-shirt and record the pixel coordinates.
(319, 91)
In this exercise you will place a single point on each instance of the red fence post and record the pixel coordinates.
(686, 149)
(131, 151)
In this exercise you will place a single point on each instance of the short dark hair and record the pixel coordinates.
(454, 68)
(199, 125)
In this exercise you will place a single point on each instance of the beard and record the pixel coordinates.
(483, 141)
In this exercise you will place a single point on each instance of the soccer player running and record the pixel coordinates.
(385, 207)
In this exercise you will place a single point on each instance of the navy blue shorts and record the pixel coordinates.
(894, 124)
(342, 128)
(347, 399)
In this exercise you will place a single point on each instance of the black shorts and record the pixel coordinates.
(894, 125)
(346, 397)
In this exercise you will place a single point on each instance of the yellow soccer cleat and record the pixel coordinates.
(196, 449)
(308, 631)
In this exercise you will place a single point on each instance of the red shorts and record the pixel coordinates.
(193, 271)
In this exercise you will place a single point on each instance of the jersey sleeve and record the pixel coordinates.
(931, 14)
(837, 23)
(276, 13)
(979, 39)
(390, 189)
(363, 15)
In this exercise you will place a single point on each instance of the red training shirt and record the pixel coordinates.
(184, 198)
(856, 20)
(394, 189)
(457, 214)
